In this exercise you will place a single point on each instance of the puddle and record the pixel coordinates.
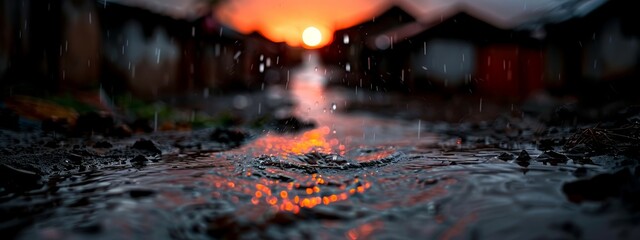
(353, 176)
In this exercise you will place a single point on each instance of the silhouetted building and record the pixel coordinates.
(365, 58)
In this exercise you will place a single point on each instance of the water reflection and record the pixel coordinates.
(315, 140)
(336, 180)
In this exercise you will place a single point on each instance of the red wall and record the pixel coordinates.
(509, 71)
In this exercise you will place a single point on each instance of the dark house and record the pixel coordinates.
(361, 53)
(598, 54)
(462, 52)
(177, 56)
(83, 45)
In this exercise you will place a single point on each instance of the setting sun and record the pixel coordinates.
(311, 36)
(286, 20)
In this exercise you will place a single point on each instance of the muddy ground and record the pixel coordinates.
(351, 166)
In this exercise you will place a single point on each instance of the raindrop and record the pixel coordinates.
(424, 51)
(345, 39)
(193, 31)
(158, 52)
(259, 108)
(315, 69)
(155, 121)
(334, 106)
(268, 62)
(261, 67)
(419, 126)
(237, 55)
(480, 107)
(348, 67)
(286, 86)
(261, 57)
(205, 93)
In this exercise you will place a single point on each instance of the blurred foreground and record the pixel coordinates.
(322, 165)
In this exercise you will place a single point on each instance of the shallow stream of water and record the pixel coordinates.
(352, 176)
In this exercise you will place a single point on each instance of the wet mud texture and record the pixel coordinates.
(344, 176)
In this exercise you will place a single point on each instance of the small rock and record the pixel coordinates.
(146, 145)
(523, 156)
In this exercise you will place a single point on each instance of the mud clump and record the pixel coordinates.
(146, 146)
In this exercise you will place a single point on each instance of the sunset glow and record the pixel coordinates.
(311, 37)
(285, 20)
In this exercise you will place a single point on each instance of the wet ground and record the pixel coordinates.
(327, 174)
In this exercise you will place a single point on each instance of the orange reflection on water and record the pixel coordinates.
(364, 231)
(297, 197)
(316, 140)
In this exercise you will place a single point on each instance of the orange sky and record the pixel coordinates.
(285, 20)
